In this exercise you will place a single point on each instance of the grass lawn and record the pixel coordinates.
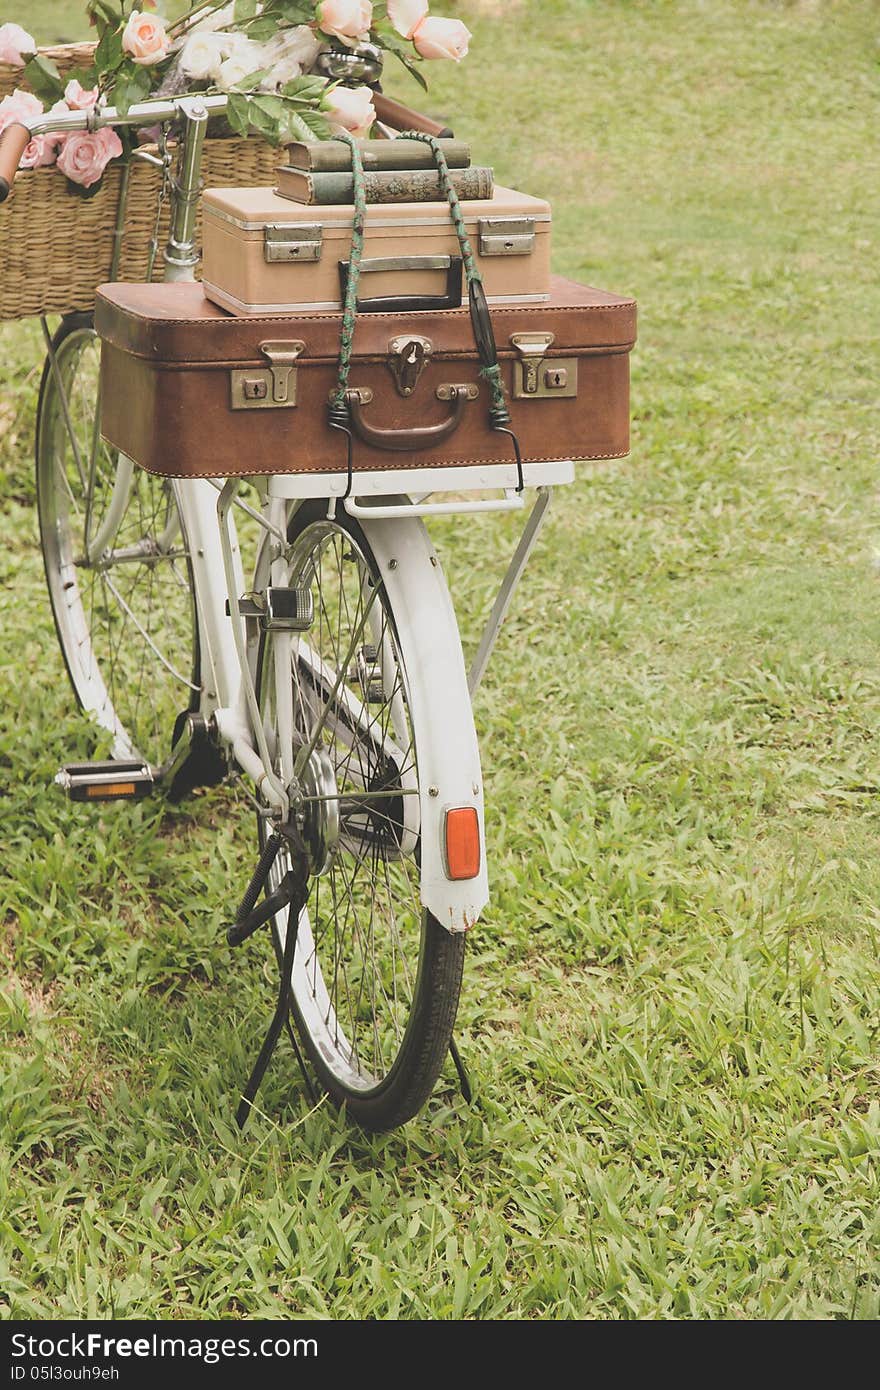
(671, 1007)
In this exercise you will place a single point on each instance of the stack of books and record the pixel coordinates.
(395, 171)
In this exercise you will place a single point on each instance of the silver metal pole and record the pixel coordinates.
(181, 253)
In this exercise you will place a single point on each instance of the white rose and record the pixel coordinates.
(202, 54)
(245, 57)
(289, 54)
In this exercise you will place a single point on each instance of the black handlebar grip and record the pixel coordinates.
(13, 142)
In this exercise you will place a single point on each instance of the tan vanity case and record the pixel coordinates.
(263, 254)
(187, 390)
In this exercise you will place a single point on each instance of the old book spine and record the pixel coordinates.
(388, 186)
(334, 157)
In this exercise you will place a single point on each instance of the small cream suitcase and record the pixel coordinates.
(263, 254)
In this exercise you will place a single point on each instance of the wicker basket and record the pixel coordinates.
(57, 247)
(67, 58)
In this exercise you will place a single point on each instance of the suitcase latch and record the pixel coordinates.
(506, 236)
(408, 356)
(267, 388)
(286, 243)
(534, 376)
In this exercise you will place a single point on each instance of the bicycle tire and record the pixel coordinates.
(126, 620)
(412, 1063)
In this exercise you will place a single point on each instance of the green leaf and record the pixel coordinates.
(261, 121)
(262, 28)
(109, 54)
(294, 11)
(388, 38)
(132, 85)
(412, 66)
(296, 126)
(105, 14)
(237, 113)
(271, 104)
(317, 124)
(244, 9)
(252, 80)
(305, 88)
(44, 79)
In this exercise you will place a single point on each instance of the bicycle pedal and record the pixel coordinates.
(115, 780)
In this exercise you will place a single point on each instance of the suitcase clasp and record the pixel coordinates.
(506, 236)
(282, 358)
(408, 356)
(263, 388)
(533, 376)
(532, 349)
(282, 242)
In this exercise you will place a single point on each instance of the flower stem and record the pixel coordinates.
(186, 19)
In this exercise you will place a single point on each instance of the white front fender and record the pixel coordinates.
(440, 709)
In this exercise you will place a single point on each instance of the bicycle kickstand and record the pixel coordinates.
(292, 893)
(464, 1079)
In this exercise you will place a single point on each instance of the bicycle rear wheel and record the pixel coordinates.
(117, 562)
(376, 979)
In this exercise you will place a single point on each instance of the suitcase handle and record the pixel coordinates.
(408, 440)
(408, 303)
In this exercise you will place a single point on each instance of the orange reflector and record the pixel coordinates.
(105, 789)
(462, 843)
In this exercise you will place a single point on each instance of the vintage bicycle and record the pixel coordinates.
(333, 679)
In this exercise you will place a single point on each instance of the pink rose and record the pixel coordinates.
(442, 38)
(352, 108)
(20, 108)
(84, 155)
(407, 15)
(144, 39)
(14, 42)
(78, 99)
(347, 20)
(43, 149)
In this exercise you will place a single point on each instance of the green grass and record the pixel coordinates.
(671, 1005)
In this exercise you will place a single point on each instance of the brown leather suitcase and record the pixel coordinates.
(189, 391)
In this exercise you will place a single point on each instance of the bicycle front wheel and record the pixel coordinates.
(376, 979)
(117, 562)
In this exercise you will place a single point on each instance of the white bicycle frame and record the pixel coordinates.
(390, 507)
